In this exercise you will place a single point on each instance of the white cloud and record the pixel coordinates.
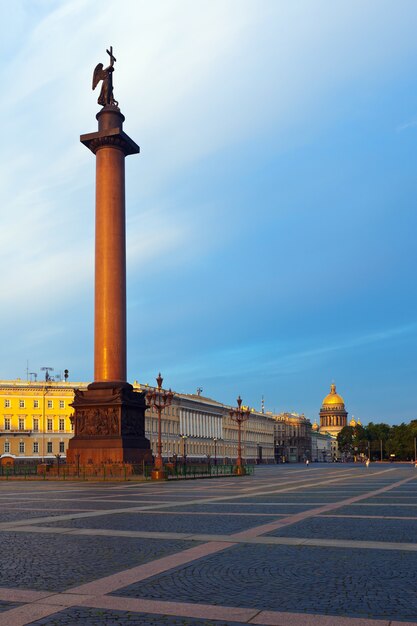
(192, 78)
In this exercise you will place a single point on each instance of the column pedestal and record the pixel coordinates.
(109, 426)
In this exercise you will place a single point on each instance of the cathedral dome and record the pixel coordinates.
(315, 426)
(353, 422)
(333, 399)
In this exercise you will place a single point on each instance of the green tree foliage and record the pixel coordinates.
(345, 440)
(395, 440)
(353, 440)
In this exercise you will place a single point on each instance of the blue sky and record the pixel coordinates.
(271, 213)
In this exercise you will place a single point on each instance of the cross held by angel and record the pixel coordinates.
(105, 75)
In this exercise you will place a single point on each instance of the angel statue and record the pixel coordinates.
(106, 75)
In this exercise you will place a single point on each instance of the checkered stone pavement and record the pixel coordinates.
(327, 545)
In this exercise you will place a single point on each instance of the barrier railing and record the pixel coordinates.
(127, 471)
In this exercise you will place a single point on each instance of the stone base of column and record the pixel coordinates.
(109, 426)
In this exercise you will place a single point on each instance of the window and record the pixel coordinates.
(61, 424)
(21, 423)
(21, 447)
(36, 425)
(35, 447)
(21, 404)
(7, 423)
(7, 404)
(36, 404)
(50, 404)
(6, 447)
(49, 447)
(62, 404)
(49, 425)
(61, 446)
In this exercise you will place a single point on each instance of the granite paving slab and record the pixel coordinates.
(248, 507)
(391, 499)
(105, 617)
(48, 562)
(301, 579)
(85, 505)
(15, 515)
(286, 498)
(380, 509)
(209, 524)
(402, 531)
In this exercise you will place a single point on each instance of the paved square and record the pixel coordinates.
(325, 545)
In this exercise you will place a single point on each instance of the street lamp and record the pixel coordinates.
(57, 456)
(184, 448)
(239, 415)
(215, 450)
(184, 454)
(159, 399)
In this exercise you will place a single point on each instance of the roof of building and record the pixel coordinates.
(333, 398)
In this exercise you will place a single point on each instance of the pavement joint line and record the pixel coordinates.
(165, 505)
(16, 617)
(55, 603)
(28, 613)
(222, 538)
(108, 584)
(370, 517)
(298, 517)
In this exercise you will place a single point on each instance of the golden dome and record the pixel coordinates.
(333, 398)
(315, 426)
(352, 422)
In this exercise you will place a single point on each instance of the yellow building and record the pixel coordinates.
(35, 418)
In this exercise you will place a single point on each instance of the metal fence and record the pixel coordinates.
(116, 472)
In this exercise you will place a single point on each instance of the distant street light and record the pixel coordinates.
(215, 450)
(58, 457)
(184, 448)
(239, 415)
(184, 453)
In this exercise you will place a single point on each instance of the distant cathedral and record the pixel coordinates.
(333, 416)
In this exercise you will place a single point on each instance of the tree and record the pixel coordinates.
(401, 441)
(345, 440)
(377, 433)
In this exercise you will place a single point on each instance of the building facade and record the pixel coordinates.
(35, 418)
(322, 446)
(292, 437)
(200, 428)
(35, 425)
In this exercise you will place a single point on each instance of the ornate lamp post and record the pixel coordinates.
(159, 399)
(215, 450)
(58, 458)
(239, 415)
(184, 453)
(184, 448)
